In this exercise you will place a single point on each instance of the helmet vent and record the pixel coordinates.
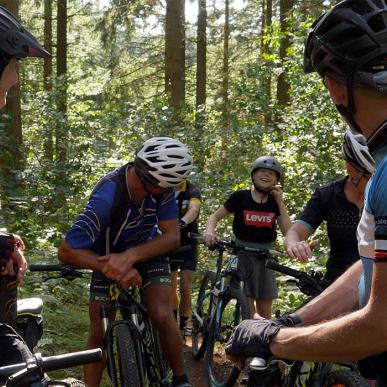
(377, 23)
(360, 7)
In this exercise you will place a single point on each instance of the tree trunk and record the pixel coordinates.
(267, 16)
(283, 97)
(61, 70)
(201, 58)
(175, 52)
(48, 144)
(225, 70)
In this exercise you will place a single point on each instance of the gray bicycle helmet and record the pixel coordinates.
(163, 161)
(16, 41)
(355, 151)
(267, 162)
(351, 37)
(349, 43)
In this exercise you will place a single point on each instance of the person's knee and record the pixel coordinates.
(160, 315)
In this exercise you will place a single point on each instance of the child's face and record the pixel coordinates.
(265, 178)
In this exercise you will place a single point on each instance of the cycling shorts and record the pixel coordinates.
(13, 349)
(154, 272)
(374, 367)
(184, 261)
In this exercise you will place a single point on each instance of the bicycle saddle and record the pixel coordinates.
(33, 305)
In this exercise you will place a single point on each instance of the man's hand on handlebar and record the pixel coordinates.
(251, 338)
(301, 250)
(131, 279)
(115, 266)
(209, 238)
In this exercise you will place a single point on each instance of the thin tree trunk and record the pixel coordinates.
(201, 65)
(61, 69)
(225, 70)
(175, 52)
(283, 96)
(267, 16)
(48, 144)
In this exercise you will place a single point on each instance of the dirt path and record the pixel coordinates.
(196, 370)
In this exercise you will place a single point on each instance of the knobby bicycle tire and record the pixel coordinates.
(232, 309)
(203, 309)
(70, 382)
(345, 378)
(127, 357)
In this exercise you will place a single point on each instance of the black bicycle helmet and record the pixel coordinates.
(163, 161)
(351, 37)
(267, 162)
(16, 41)
(355, 151)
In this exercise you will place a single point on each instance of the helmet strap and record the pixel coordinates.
(348, 111)
(378, 138)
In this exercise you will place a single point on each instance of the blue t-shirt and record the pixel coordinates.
(372, 230)
(101, 229)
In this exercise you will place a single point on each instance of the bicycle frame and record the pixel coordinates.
(135, 317)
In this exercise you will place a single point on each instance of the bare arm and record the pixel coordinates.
(326, 306)
(296, 245)
(192, 211)
(117, 265)
(209, 236)
(353, 336)
(284, 221)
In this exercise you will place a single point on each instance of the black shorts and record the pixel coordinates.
(154, 272)
(184, 261)
(13, 349)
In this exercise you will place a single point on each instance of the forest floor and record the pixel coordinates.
(196, 369)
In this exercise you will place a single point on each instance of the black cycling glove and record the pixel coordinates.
(182, 224)
(289, 320)
(251, 338)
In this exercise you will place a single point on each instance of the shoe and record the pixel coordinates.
(182, 384)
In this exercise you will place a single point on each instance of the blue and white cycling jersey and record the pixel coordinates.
(372, 229)
(95, 230)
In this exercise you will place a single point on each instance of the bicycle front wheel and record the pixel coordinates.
(127, 358)
(345, 379)
(232, 309)
(201, 315)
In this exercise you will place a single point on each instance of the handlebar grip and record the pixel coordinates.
(73, 359)
(274, 265)
(48, 267)
(52, 363)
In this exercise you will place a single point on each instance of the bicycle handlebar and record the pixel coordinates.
(52, 363)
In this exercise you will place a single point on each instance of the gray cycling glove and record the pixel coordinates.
(251, 338)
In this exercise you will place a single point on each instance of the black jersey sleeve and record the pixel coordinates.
(315, 210)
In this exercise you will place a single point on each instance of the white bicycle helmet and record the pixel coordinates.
(356, 152)
(163, 162)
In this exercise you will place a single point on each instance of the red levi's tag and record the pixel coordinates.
(259, 219)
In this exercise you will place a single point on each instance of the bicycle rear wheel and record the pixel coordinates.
(200, 316)
(232, 309)
(127, 359)
(345, 379)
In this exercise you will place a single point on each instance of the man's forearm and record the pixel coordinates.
(339, 298)
(160, 245)
(82, 258)
(350, 337)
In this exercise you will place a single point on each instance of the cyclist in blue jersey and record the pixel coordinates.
(130, 221)
(348, 48)
(15, 43)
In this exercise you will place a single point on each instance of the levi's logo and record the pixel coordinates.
(259, 219)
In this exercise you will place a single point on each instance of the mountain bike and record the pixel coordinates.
(221, 305)
(283, 373)
(32, 372)
(133, 352)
